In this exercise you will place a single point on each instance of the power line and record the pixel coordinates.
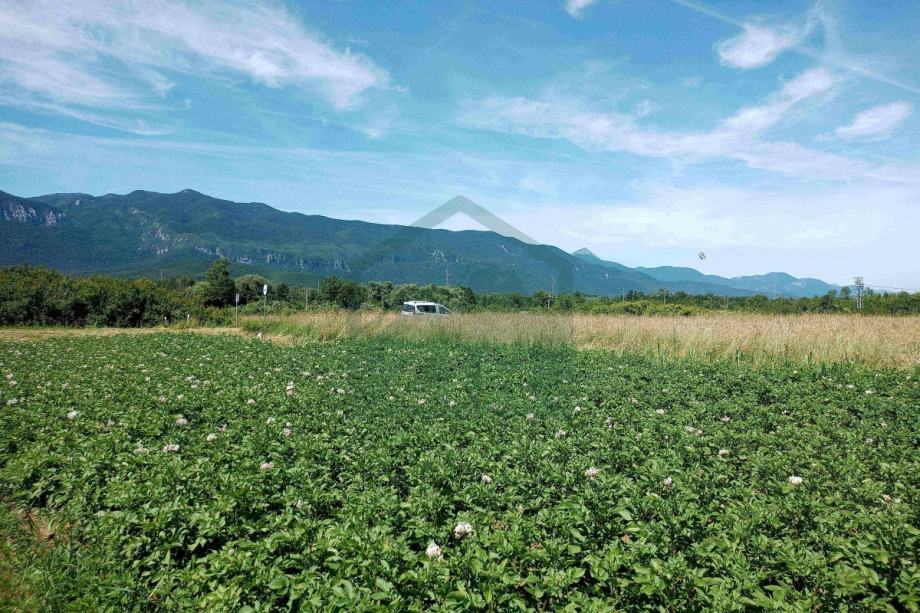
(901, 289)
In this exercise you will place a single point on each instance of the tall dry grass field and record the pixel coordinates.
(877, 341)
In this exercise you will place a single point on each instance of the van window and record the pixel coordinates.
(443, 309)
(408, 308)
(427, 308)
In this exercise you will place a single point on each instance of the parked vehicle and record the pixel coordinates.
(421, 307)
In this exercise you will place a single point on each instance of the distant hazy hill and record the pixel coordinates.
(152, 234)
(773, 283)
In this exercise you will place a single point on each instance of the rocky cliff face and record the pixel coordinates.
(15, 210)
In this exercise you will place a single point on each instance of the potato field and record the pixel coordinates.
(182, 471)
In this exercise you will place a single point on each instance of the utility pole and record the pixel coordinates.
(306, 297)
(446, 271)
(858, 281)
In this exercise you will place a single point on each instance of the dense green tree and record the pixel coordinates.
(250, 288)
(280, 291)
(341, 292)
(221, 288)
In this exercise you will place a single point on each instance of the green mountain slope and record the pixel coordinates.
(154, 234)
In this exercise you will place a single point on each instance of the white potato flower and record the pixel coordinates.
(591, 473)
(486, 478)
(794, 480)
(171, 448)
(434, 552)
(462, 529)
(72, 415)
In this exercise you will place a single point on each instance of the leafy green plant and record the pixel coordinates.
(193, 472)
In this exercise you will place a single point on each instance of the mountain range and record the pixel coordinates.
(154, 234)
(770, 284)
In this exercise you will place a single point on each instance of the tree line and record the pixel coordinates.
(41, 296)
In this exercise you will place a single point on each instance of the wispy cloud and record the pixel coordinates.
(116, 55)
(757, 45)
(575, 7)
(877, 122)
(759, 41)
(741, 137)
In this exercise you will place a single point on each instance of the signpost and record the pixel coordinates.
(265, 301)
(237, 309)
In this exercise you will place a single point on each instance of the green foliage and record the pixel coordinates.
(250, 287)
(341, 292)
(315, 478)
(42, 296)
(220, 289)
(37, 296)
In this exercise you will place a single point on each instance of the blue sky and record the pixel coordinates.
(771, 135)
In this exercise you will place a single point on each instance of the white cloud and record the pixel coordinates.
(758, 43)
(876, 122)
(112, 54)
(575, 7)
(739, 137)
(756, 46)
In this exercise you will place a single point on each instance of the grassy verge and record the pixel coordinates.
(758, 339)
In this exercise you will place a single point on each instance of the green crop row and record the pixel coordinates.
(192, 472)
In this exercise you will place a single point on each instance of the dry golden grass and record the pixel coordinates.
(876, 341)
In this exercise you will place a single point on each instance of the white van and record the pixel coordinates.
(420, 307)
